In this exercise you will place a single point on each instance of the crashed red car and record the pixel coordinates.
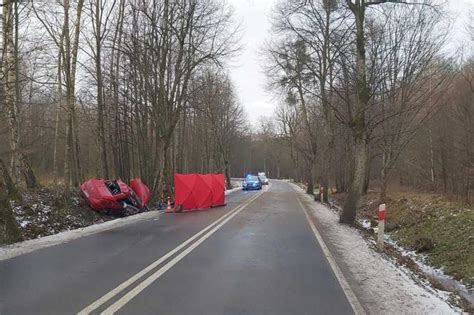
(115, 196)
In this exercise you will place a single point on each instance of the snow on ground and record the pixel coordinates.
(436, 273)
(237, 186)
(381, 286)
(10, 251)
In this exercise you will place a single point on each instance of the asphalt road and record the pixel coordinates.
(258, 255)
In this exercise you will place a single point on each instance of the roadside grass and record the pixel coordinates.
(441, 229)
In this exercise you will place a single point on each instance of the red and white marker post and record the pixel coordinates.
(381, 226)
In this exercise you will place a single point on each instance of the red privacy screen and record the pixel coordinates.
(199, 191)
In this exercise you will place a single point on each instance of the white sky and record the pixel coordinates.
(246, 71)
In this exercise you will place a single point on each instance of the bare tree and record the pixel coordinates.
(289, 124)
(11, 89)
(9, 230)
(321, 27)
(409, 81)
(67, 41)
(100, 15)
(287, 70)
(179, 38)
(215, 98)
(364, 94)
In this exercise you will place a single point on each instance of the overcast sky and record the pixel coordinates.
(246, 70)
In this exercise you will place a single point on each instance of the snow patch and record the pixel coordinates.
(237, 186)
(365, 223)
(436, 273)
(381, 286)
(10, 251)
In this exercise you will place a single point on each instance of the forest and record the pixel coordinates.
(368, 96)
(372, 95)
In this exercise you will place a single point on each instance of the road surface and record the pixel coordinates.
(257, 255)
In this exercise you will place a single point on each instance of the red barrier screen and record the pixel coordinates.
(142, 191)
(218, 190)
(199, 191)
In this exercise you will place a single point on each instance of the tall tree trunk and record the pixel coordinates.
(367, 176)
(58, 108)
(72, 169)
(357, 182)
(359, 128)
(9, 229)
(227, 174)
(167, 179)
(9, 89)
(100, 97)
(12, 191)
(28, 174)
(432, 165)
(384, 178)
(310, 177)
(19, 164)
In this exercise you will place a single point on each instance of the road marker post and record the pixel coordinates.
(381, 227)
(321, 191)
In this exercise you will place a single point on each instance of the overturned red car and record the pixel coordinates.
(115, 196)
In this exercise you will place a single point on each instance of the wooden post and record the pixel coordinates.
(381, 228)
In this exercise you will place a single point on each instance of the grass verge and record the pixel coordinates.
(441, 229)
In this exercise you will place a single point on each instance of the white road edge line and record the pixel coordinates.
(96, 304)
(351, 297)
(148, 281)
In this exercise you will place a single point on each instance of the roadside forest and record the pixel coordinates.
(376, 105)
(372, 97)
(114, 89)
(368, 95)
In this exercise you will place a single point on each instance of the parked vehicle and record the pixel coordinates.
(251, 182)
(263, 179)
(115, 196)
